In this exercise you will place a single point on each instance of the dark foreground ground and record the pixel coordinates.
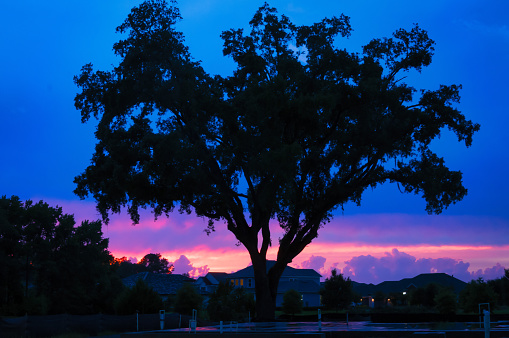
(335, 330)
(351, 334)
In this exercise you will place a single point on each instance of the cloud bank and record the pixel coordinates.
(396, 265)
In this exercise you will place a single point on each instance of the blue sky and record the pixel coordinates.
(43, 144)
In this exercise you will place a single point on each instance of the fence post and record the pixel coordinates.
(486, 324)
(161, 319)
(319, 320)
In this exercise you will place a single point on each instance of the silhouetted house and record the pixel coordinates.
(305, 281)
(165, 285)
(406, 286)
(208, 283)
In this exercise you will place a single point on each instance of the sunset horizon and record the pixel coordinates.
(182, 240)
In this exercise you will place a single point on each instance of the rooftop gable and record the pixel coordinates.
(216, 277)
(418, 281)
(288, 272)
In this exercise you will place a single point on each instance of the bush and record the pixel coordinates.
(337, 291)
(187, 300)
(476, 292)
(445, 302)
(229, 303)
(140, 298)
(292, 302)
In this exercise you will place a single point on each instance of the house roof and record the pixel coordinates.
(203, 280)
(218, 276)
(163, 284)
(288, 272)
(419, 281)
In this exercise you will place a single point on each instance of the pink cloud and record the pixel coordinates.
(183, 265)
(397, 265)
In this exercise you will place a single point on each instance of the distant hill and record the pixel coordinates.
(419, 281)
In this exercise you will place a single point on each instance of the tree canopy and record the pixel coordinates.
(155, 263)
(140, 298)
(149, 263)
(51, 265)
(475, 293)
(337, 292)
(301, 128)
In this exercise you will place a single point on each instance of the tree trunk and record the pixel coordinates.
(266, 284)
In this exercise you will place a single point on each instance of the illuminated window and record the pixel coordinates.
(236, 282)
(241, 282)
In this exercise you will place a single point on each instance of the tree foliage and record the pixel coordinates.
(501, 288)
(188, 299)
(51, 265)
(140, 298)
(337, 292)
(446, 301)
(151, 262)
(155, 263)
(228, 303)
(300, 128)
(292, 302)
(476, 292)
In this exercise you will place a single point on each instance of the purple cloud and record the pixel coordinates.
(397, 265)
(494, 272)
(314, 262)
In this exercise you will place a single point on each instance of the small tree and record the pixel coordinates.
(140, 298)
(337, 291)
(188, 299)
(292, 302)
(501, 287)
(229, 303)
(476, 292)
(445, 301)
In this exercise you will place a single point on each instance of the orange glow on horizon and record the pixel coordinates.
(232, 259)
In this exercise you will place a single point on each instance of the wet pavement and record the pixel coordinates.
(296, 327)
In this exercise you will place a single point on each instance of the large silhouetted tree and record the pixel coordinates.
(300, 128)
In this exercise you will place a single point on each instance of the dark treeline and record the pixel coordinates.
(51, 265)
